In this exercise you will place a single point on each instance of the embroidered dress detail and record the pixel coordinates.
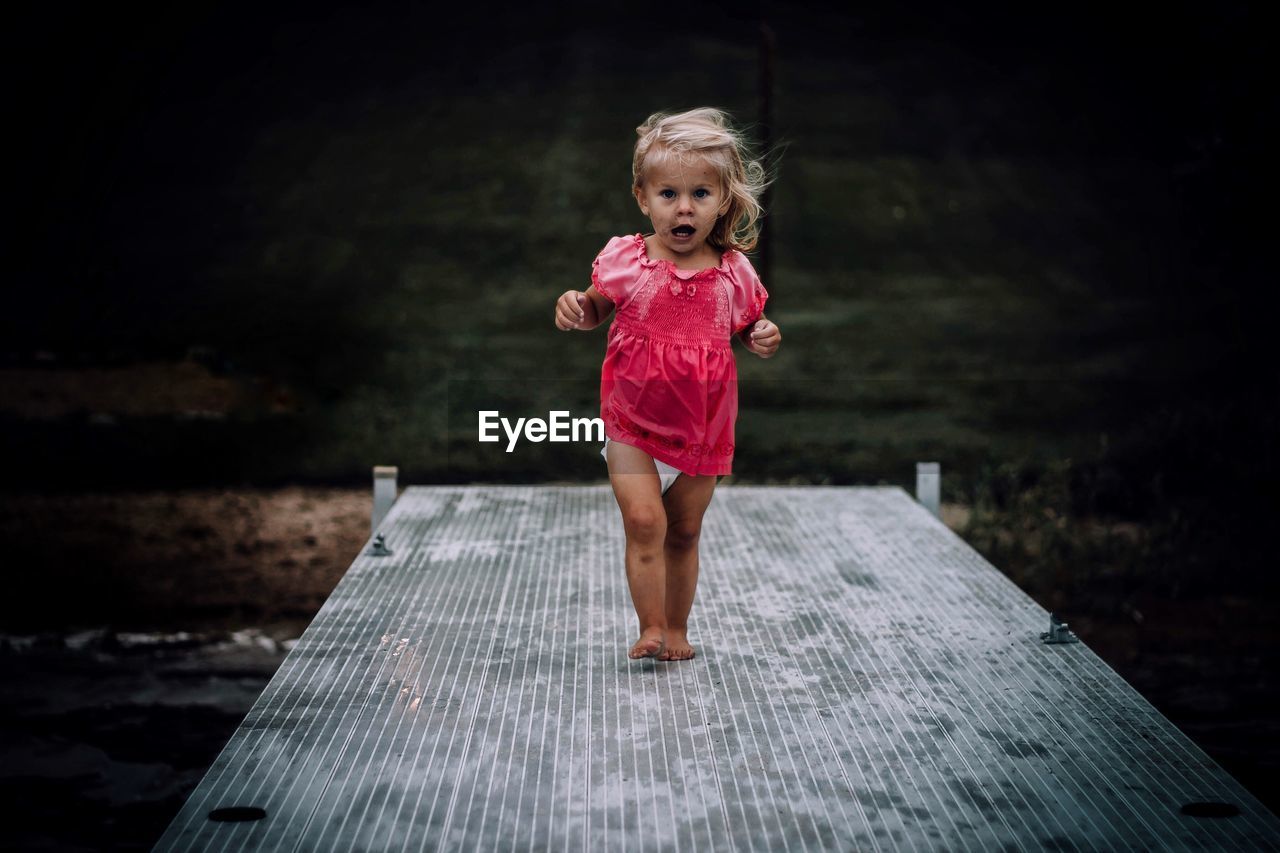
(669, 380)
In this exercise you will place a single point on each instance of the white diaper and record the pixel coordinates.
(666, 474)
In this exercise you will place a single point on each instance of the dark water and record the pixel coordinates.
(105, 735)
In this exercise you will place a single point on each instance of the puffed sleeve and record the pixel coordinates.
(617, 269)
(747, 294)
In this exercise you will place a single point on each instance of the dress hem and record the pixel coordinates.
(663, 455)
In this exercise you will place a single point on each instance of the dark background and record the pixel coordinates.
(253, 251)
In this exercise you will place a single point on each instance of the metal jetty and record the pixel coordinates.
(864, 680)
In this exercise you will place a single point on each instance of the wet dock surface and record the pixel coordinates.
(864, 680)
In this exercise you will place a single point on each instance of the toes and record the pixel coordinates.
(679, 652)
(651, 647)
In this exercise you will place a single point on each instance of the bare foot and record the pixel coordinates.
(678, 647)
(649, 645)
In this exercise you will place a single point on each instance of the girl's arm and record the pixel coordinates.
(767, 337)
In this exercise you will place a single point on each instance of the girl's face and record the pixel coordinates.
(682, 197)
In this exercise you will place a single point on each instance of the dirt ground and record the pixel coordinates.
(192, 560)
(154, 621)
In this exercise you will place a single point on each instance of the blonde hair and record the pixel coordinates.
(705, 132)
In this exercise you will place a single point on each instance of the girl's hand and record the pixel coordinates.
(570, 310)
(765, 338)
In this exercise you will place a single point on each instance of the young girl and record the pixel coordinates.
(668, 387)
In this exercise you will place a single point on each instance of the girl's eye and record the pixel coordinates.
(668, 193)
(701, 193)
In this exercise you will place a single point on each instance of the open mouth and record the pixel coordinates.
(683, 231)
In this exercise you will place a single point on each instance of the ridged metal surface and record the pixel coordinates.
(864, 681)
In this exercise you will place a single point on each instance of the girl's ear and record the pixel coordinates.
(639, 194)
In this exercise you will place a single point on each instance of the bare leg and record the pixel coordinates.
(639, 495)
(685, 502)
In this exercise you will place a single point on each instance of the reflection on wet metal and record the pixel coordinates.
(864, 680)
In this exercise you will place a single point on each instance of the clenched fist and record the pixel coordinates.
(764, 338)
(571, 310)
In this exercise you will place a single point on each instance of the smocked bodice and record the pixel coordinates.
(681, 307)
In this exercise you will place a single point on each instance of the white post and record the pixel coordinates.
(384, 492)
(929, 486)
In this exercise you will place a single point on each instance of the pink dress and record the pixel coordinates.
(669, 384)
